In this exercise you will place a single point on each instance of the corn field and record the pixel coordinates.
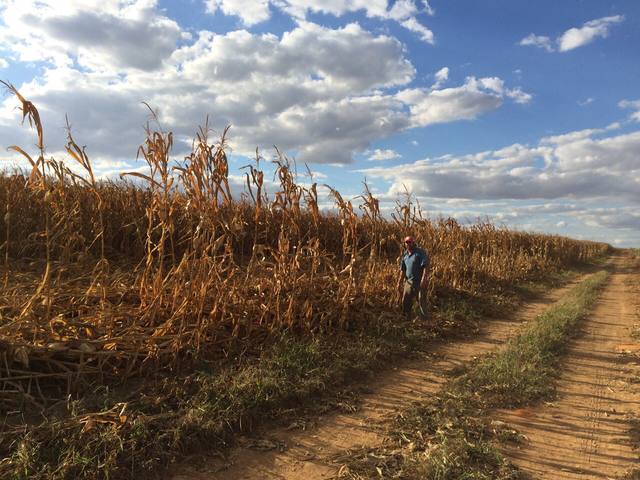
(106, 280)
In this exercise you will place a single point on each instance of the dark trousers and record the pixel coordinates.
(409, 294)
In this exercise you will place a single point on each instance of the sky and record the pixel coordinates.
(524, 113)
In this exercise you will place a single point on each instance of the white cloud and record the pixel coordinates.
(495, 84)
(309, 92)
(300, 8)
(415, 26)
(319, 93)
(518, 96)
(330, 132)
(100, 35)
(473, 98)
(348, 60)
(252, 12)
(572, 166)
(577, 37)
(622, 218)
(612, 156)
(537, 41)
(441, 76)
(316, 175)
(634, 105)
(439, 106)
(574, 37)
(587, 101)
(402, 9)
(574, 136)
(3, 63)
(379, 155)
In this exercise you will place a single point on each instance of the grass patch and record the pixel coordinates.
(451, 435)
(525, 369)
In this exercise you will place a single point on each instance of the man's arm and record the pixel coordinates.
(401, 276)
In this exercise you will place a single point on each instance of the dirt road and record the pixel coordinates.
(585, 433)
(296, 454)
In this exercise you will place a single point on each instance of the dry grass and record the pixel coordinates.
(104, 281)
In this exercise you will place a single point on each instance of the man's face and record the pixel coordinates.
(410, 246)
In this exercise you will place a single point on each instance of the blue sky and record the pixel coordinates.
(525, 112)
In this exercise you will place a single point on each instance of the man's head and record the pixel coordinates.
(410, 243)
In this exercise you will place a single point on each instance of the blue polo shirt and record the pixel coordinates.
(413, 265)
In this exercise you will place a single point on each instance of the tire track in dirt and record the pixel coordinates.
(584, 434)
(294, 454)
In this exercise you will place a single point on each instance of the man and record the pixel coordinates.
(413, 278)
